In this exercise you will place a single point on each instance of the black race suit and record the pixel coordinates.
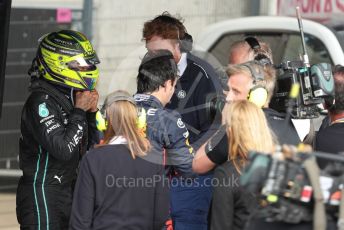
(52, 141)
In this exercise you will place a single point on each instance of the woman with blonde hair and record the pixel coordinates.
(117, 188)
(247, 129)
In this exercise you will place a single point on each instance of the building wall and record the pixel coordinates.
(27, 25)
(72, 4)
(117, 27)
(268, 7)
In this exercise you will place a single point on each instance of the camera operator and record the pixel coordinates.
(330, 139)
(251, 49)
(240, 83)
(58, 125)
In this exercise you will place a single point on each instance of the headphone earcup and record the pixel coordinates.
(101, 122)
(141, 121)
(258, 95)
(186, 43)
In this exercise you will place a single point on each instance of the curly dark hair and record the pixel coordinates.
(165, 26)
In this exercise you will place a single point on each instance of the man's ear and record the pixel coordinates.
(168, 83)
(163, 86)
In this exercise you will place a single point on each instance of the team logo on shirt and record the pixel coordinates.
(58, 178)
(181, 94)
(180, 123)
(151, 112)
(42, 110)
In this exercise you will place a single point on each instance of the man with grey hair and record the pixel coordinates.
(242, 79)
(249, 49)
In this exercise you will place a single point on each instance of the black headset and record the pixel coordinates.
(258, 56)
(186, 43)
(253, 42)
(258, 94)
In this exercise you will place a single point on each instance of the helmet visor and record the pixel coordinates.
(83, 64)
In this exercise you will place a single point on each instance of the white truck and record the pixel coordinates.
(323, 43)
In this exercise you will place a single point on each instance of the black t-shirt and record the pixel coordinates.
(330, 140)
(284, 129)
(217, 146)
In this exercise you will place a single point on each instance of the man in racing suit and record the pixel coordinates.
(166, 131)
(156, 82)
(55, 131)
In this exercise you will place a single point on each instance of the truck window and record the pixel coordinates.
(285, 46)
(316, 50)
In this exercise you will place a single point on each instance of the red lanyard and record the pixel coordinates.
(340, 120)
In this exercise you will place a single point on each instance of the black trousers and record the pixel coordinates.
(43, 207)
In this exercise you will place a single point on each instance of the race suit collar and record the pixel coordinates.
(151, 100)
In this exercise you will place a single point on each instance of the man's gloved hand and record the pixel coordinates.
(95, 97)
(84, 100)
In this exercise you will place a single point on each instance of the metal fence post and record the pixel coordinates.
(255, 7)
(87, 18)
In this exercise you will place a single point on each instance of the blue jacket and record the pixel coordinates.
(194, 89)
(166, 131)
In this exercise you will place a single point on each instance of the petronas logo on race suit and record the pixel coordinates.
(42, 110)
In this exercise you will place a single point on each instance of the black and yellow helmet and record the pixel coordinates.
(67, 58)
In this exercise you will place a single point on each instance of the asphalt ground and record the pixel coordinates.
(8, 219)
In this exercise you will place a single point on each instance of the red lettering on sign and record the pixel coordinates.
(314, 9)
(328, 6)
(340, 5)
(315, 4)
(305, 6)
